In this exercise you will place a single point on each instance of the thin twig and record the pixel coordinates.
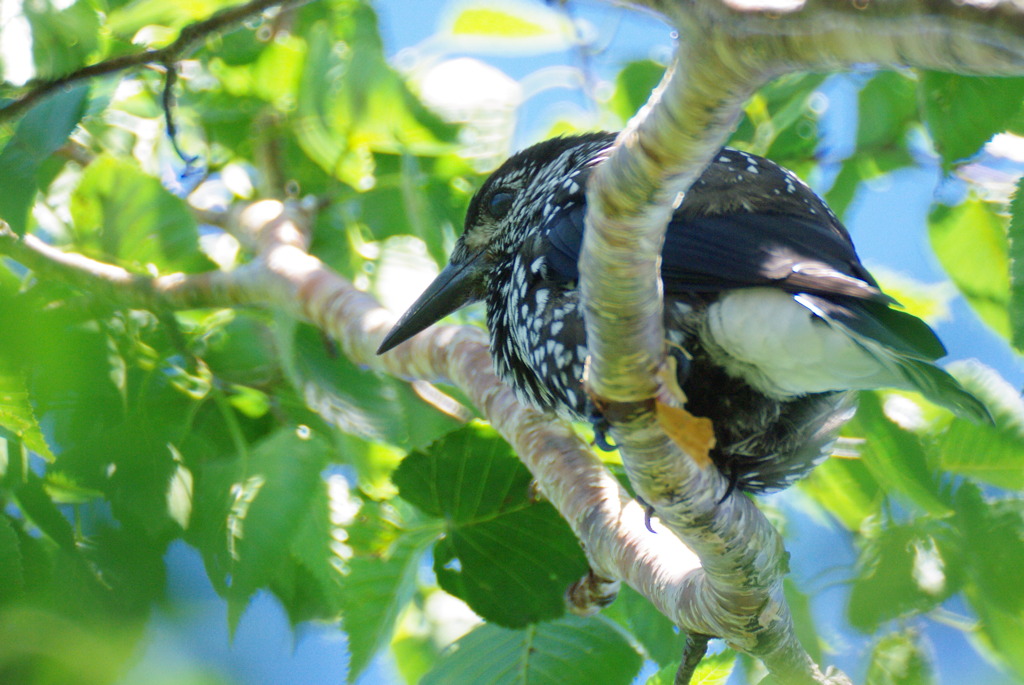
(695, 649)
(190, 35)
(172, 291)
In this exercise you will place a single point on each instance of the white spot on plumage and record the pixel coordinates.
(542, 299)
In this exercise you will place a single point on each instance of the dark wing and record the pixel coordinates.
(794, 253)
(798, 254)
(709, 254)
(745, 222)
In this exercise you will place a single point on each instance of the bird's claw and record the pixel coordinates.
(601, 428)
(648, 513)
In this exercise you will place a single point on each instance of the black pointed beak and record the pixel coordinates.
(456, 286)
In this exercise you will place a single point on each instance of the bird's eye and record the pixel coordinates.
(499, 204)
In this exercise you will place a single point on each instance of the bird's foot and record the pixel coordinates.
(601, 427)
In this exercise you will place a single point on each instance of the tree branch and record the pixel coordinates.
(189, 36)
(727, 50)
(174, 291)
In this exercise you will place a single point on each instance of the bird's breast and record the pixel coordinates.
(538, 341)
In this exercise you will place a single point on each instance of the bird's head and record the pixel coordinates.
(510, 207)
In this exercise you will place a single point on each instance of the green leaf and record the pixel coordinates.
(240, 47)
(213, 480)
(803, 620)
(484, 22)
(11, 563)
(992, 532)
(67, 368)
(320, 551)
(660, 638)
(128, 18)
(239, 347)
(271, 503)
(902, 571)
(957, 121)
(49, 645)
(847, 489)
(376, 590)
(780, 123)
(507, 556)
(569, 651)
(303, 596)
(62, 41)
(143, 473)
(230, 122)
(1001, 631)
(989, 453)
(367, 108)
(862, 167)
(415, 195)
(40, 132)
(37, 506)
(316, 136)
(886, 110)
(633, 85)
(119, 211)
(427, 625)
(117, 435)
(18, 416)
(896, 457)
(129, 565)
(712, 670)
(414, 654)
(1016, 254)
(364, 403)
(508, 27)
(273, 76)
(899, 659)
(971, 243)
